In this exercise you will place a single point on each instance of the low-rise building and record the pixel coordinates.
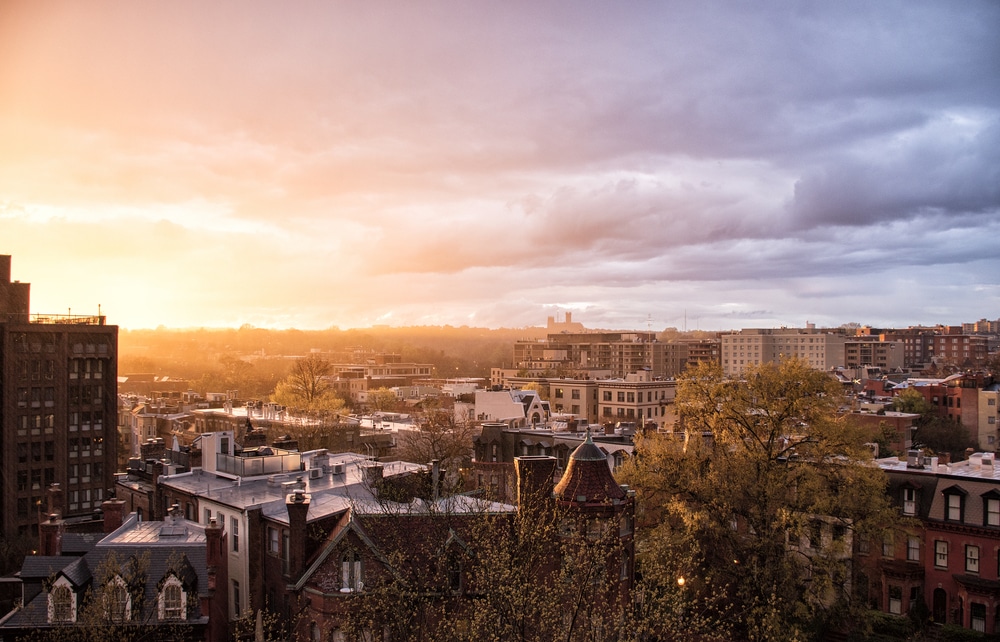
(947, 563)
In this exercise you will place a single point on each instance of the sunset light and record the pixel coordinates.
(323, 164)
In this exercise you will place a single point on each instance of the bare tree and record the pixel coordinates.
(306, 386)
(438, 436)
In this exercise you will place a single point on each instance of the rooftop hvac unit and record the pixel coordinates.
(338, 469)
(315, 473)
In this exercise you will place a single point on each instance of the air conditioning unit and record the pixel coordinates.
(315, 473)
(338, 469)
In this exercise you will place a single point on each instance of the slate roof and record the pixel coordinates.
(181, 550)
(587, 478)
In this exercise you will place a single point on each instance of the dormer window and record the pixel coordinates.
(909, 501)
(117, 600)
(954, 504)
(172, 600)
(991, 508)
(62, 602)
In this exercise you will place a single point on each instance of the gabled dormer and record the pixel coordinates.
(66, 591)
(62, 602)
(174, 590)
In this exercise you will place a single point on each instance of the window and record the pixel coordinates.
(607, 395)
(941, 554)
(991, 510)
(172, 600)
(954, 503)
(117, 601)
(62, 603)
(909, 501)
(887, 546)
(273, 540)
(816, 535)
(237, 610)
(235, 527)
(971, 559)
(575, 393)
(896, 600)
(977, 617)
(913, 549)
(621, 397)
(350, 573)
(559, 393)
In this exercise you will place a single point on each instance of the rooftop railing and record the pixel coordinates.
(71, 319)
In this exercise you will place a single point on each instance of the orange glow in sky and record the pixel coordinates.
(342, 164)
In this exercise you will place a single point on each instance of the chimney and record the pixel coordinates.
(372, 474)
(216, 602)
(297, 504)
(50, 534)
(114, 510)
(55, 499)
(534, 479)
(436, 479)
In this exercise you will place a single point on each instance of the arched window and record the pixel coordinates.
(350, 572)
(117, 600)
(62, 604)
(172, 600)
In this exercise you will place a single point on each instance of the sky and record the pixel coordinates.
(699, 165)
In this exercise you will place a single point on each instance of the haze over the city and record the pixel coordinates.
(317, 164)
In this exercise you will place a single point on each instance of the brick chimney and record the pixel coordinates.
(297, 504)
(114, 512)
(216, 602)
(534, 479)
(50, 534)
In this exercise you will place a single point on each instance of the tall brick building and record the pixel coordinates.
(58, 409)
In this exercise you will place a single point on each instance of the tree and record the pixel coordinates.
(934, 432)
(438, 436)
(766, 486)
(382, 400)
(479, 571)
(306, 387)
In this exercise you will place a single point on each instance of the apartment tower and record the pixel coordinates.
(58, 411)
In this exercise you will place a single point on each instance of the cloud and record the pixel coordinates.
(339, 164)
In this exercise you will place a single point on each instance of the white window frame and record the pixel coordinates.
(971, 558)
(992, 510)
(65, 612)
(941, 553)
(909, 501)
(168, 611)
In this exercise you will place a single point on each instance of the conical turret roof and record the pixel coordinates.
(587, 478)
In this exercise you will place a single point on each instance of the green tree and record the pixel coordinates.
(934, 432)
(766, 486)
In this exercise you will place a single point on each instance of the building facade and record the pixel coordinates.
(822, 350)
(58, 409)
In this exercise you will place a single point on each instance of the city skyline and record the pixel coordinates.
(705, 166)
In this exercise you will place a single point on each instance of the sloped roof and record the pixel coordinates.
(133, 541)
(587, 478)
